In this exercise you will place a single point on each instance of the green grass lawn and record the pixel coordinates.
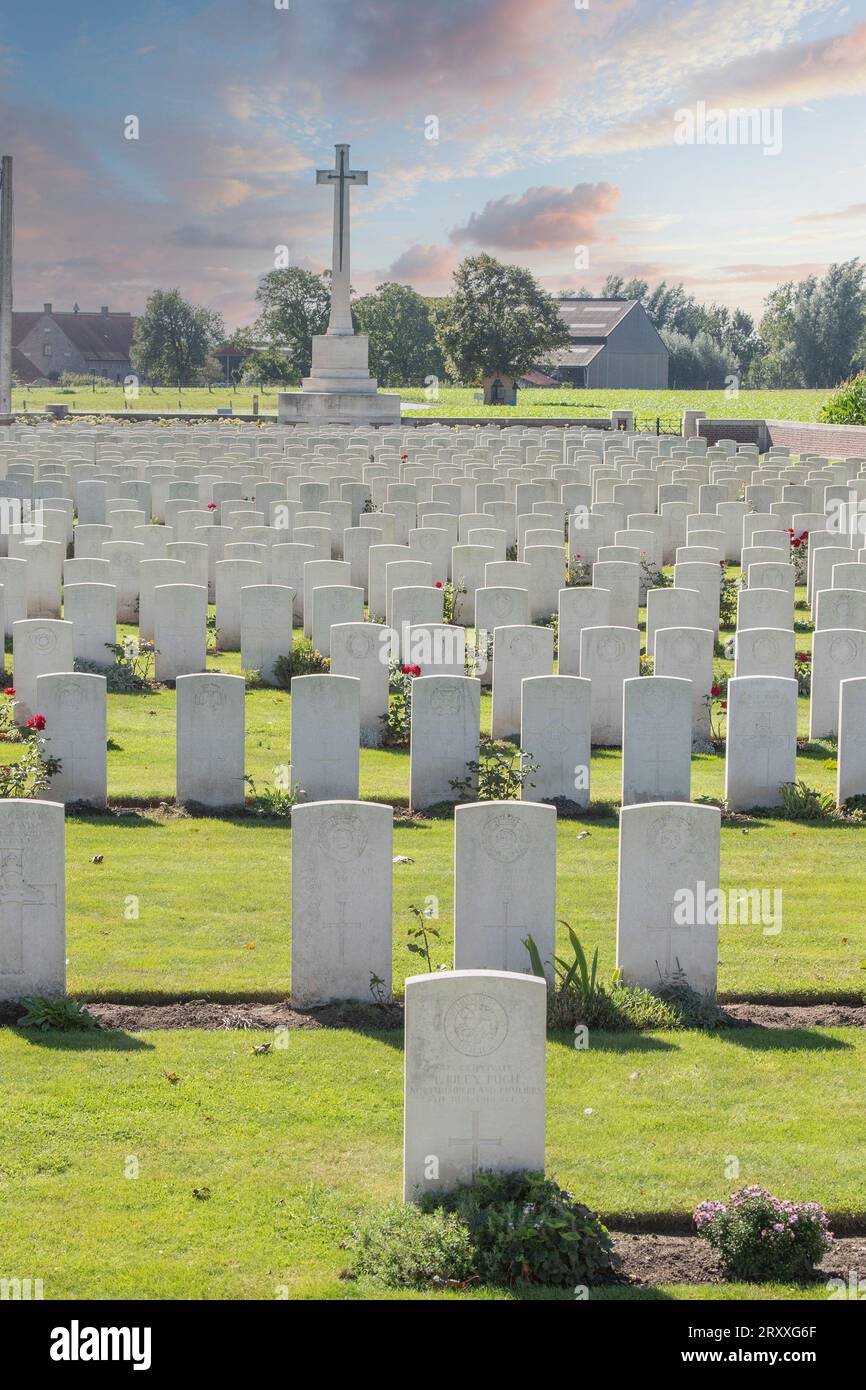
(297, 1146)
(214, 895)
(456, 400)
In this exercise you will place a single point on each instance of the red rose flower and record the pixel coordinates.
(438, 583)
(804, 535)
(724, 704)
(416, 670)
(716, 690)
(796, 544)
(790, 530)
(211, 506)
(804, 656)
(37, 722)
(10, 690)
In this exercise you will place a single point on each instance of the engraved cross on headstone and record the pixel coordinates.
(475, 1140)
(16, 894)
(505, 941)
(341, 177)
(670, 928)
(341, 926)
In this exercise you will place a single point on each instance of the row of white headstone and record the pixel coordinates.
(504, 893)
(555, 725)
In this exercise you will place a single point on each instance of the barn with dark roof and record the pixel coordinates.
(613, 343)
(91, 344)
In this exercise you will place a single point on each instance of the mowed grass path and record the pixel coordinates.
(295, 1147)
(451, 401)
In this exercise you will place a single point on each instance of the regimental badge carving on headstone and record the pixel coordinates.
(476, 1025)
(505, 838)
(343, 837)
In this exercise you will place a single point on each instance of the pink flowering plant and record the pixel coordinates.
(760, 1238)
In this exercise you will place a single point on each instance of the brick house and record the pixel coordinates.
(91, 344)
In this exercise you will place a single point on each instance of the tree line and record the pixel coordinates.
(498, 320)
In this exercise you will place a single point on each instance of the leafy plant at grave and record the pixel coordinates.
(419, 936)
(9, 730)
(211, 632)
(397, 723)
(31, 773)
(272, 799)
(377, 989)
(408, 1248)
(500, 774)
(56, 1015)
(480, 653)
(652, 576)
(451, 591)
(729, 588)
(578, 998)
(803, 672)
(761, 1238)
(511, 552)
(693, 1009)
(578, 571)
(799, 554)
(304, 660)
(647, 664)
(133, 671)
(801, 802)
(717, 706)
(526, 1229)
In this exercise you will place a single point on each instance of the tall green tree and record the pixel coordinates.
(497, 321)
(403, 346)
(174, 339)
(294, 306)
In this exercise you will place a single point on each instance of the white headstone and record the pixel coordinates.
(74, 706)
(266, 628)
(838, 654)
(851, 773)
(517, 652)
(504, 884)
(210, 740)
(326, 731)
(32, 908)
(475, 1047)
(687, 653)
(556, 720)
(445, 732)
(761, 740)
(179, 630)
(341, 900)
(657, 739)
(361, 650)
(669, 857)
(39, 647)
(608, 657)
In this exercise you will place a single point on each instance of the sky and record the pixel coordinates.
(574, 137)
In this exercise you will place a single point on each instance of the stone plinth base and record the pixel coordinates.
(337, 408)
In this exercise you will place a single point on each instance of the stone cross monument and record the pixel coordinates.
(339, 389)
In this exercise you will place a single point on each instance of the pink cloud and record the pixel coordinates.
(425, 267)
(540, 218)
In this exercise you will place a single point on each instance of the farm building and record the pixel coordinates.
(613, 343)
(91, 344)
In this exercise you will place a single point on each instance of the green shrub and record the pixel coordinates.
(304, 660)
(761, 1238)
(525, 1229)
(693, 1010)
(800, 802)
(500, 774)
(409, 1248)
(847, 405)
(59, 1015)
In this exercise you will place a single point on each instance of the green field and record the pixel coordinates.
(667, 406)
(100, 1152)
(294, 1148)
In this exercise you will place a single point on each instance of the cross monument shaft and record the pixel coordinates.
(341, 177)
